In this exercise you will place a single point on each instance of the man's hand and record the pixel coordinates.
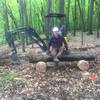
(67, 51)
(48, 52)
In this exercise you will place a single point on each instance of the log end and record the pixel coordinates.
(41, 67)
(83, 65)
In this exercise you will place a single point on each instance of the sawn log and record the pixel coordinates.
(72, 56)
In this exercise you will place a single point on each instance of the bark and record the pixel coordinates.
(72, 56)
(68, 13)
(61, 9)
(26, 19)
(82, 20)
(22, 20)
(90, 17)
(98, 18)
(30, 13)
(48, 30)
(75, 10)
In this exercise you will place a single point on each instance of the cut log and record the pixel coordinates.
(7, 57)
(83, 65)
(5, 62)
(4, 57)
(41, 67)
(72, 56)
(4, 54)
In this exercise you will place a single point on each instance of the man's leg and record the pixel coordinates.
(53, 52)
(61, 50)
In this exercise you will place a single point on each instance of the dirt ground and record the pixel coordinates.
(63, 83)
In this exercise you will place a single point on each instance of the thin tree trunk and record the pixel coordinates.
(98, 18)
(83, 11)
(49, 19)
(43, 19)
(90, 17)
(30, 17)
(82, 21)
(22, 16)
(23, 20)
(30, 13)
(61, 10)
(26, 20)
(75, 10)
(68, 13)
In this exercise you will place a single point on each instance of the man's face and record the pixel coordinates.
(56, 34)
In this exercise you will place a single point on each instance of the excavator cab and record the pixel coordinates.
(56, 19)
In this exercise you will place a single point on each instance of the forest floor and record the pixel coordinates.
(21, 82)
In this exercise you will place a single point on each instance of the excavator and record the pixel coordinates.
(31, 33)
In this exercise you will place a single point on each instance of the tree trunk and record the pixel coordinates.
(72, 56)
(82, 20)
(68, 12)
(22, 20)
(98, 18)
(25, 19)
(90, 17)
(75, 10)
(30, 13)
(48, 30)
(61, 10)
(83, 11)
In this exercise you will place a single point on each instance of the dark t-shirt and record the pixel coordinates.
(56, 42)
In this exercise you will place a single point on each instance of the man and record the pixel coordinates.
(56, 44)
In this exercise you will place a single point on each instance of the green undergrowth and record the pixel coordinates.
(9, 81)
(6, 78)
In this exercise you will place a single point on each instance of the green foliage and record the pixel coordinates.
(36, 10)
(2, 39)
(6, 78)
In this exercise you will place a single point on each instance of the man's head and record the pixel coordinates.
(56, 31)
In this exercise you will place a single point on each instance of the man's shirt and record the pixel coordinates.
(56, 42)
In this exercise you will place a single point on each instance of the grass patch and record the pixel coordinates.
(6, 78)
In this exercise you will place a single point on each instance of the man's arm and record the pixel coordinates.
(49, 44)
(65, 43)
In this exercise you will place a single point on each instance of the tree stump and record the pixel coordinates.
(83, 65)
(41, 67)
